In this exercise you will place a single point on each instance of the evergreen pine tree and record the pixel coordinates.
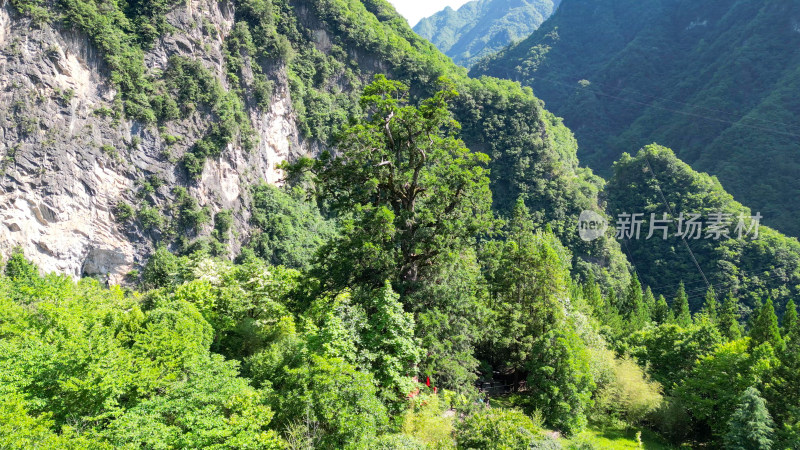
(661, 312)
(612, 317)
(680, 307)
(751, 319)
(632, 307)
(649, 303)
(783, 394)
(750, 427)
(728, 322)
(632, 297)
(790, 325)
(528, 285)
(765, 327)
(593, 296)
(559, 380)
(613, 302)
(711, 306)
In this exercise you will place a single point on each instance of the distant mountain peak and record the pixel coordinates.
(482, 27)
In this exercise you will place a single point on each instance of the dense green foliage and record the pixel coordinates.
(751, 424)
(432, 249)
(752, 269)
(529, 286)
(482, 27)
(531, 152)
(497, 429)
(413, 189)
(253, 355)
(190, 86)
(98, 368)
(286, 229)
(713, 80)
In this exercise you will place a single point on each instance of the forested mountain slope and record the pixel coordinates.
(715, 81)
(134, 127)
(482, 27)
(751, 268)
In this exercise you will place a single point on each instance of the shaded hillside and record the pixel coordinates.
(482, 27)
(712, 80)
(752, 269)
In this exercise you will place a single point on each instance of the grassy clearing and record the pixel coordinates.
(608, 438)
(618, 439)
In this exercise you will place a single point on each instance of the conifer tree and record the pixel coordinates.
(611, 316)
(680, 307)
(783, 393)
(754, 311)
(411, 200)
(632, 297)
(751, 426)
(593, 296)
(662, 313)
(559, 379)
(765, 327)
(613, 301)
(528, 285)
(711, 306)
(649, 302)
(728, 322)
(632, 307)
(790, 325)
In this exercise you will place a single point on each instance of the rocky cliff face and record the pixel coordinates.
(67, 161)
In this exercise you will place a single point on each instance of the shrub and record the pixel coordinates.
(629, 396)
(190, 216)
(672, 420)
(109, 150)
(155, 180)
(427, 423)
(170, 139)
(397, 442)
(123, 212)
(223, 221)
(287, 229)
(150, 218)
(19, 268)
(497, 429)
(103, 111)
(164, 269)
(34, 9)
(134, 143)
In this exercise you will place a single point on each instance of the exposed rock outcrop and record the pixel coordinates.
(66, 162)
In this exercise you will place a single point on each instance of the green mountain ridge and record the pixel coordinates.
(712, 80)
(482, 27)
(751, 268)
